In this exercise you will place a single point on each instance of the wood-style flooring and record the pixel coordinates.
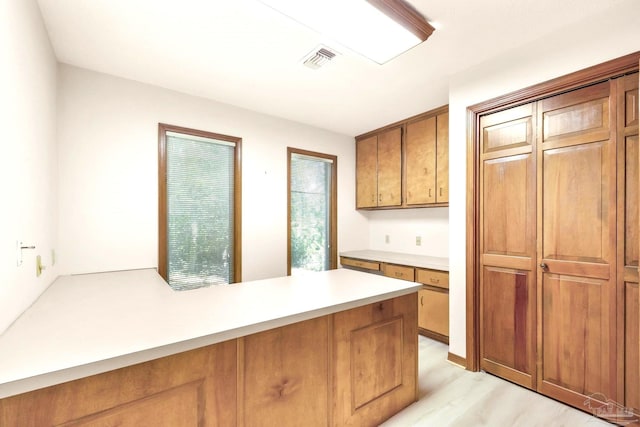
(452, 396)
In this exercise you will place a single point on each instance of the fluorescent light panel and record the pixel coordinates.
(358, 25)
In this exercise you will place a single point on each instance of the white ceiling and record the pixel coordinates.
(243, 53)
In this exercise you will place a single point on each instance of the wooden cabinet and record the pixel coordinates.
(433, 299)
(405, 164)
(355, 367)
(433, 304)
(374, 360)
(427, 160)
(379, 169)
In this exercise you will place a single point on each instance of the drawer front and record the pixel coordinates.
(399, 272)
(434, 311)
(439, 279)
(369, 265)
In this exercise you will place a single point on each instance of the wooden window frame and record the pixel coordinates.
(333, 216)
(163, 128)
(601, 72)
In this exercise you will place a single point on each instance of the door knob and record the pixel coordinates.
(544, 266)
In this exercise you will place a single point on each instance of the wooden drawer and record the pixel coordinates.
(352, 262)
(399, 272)
(433, 311)
(436, 278)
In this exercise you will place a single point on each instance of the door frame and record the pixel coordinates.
(607, 70)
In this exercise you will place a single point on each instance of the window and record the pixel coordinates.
(199, 208)
(312, 211)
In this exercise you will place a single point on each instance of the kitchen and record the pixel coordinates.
(82, 180)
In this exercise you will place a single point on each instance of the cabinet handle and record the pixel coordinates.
(398, 274)
(544, 266)
(440, 191)
(422, 300)
(429, 192)
(379, 197)
(432, 280)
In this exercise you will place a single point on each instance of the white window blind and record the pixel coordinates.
(200, 203)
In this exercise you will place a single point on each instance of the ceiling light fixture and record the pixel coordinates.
(377, 29)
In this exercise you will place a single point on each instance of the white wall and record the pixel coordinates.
(609, 35)
(403, 225)
(108, 154)
(28, 159)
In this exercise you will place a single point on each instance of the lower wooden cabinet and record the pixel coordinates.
(356, 367)
(433, 300)
(433, 314)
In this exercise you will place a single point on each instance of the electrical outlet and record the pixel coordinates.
(418, 240)
(386, 238)
(53, 257)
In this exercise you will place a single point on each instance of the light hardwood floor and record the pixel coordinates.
(452, 396)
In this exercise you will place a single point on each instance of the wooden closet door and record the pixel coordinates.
(577, 245)
(507, 240)
(628, 232)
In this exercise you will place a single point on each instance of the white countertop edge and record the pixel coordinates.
(420, 261)
(47, 379)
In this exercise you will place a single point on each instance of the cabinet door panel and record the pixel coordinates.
(632, 347)
(421, 161)
(367, 172)
(286, 385)
(442, 159)
(390, 168)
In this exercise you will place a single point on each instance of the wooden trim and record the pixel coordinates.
(472, 247)
(162, 195)
(417, 117)
(434, 335)
(606, 70)
(333, 215)
(601, 72)
(405, 15)
(457, 360)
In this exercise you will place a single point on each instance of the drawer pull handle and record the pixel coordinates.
(398, 274)
(434, 280)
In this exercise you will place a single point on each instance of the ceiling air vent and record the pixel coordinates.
(318, 57)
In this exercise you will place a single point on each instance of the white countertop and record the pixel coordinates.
(88, 324)
(434, 263)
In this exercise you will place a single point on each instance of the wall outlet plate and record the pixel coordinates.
(418, 240)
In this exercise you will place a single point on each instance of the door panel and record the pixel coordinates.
(389, 167)
(442, 159)
(421, 161)
(575, 204)
(367, 172)
(507, 326)
(507, 198)
(632, 347)
(575, 334)
(577, 224)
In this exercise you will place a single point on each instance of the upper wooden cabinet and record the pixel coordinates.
(379, 169)
(405, 164)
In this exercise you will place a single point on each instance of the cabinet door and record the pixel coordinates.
(577, 250)
(390, 167)
(442, 159)
(421, 161)
(433, 311)
(367, 172)
(374, 361)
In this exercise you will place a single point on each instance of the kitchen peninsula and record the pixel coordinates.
(331, 348)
